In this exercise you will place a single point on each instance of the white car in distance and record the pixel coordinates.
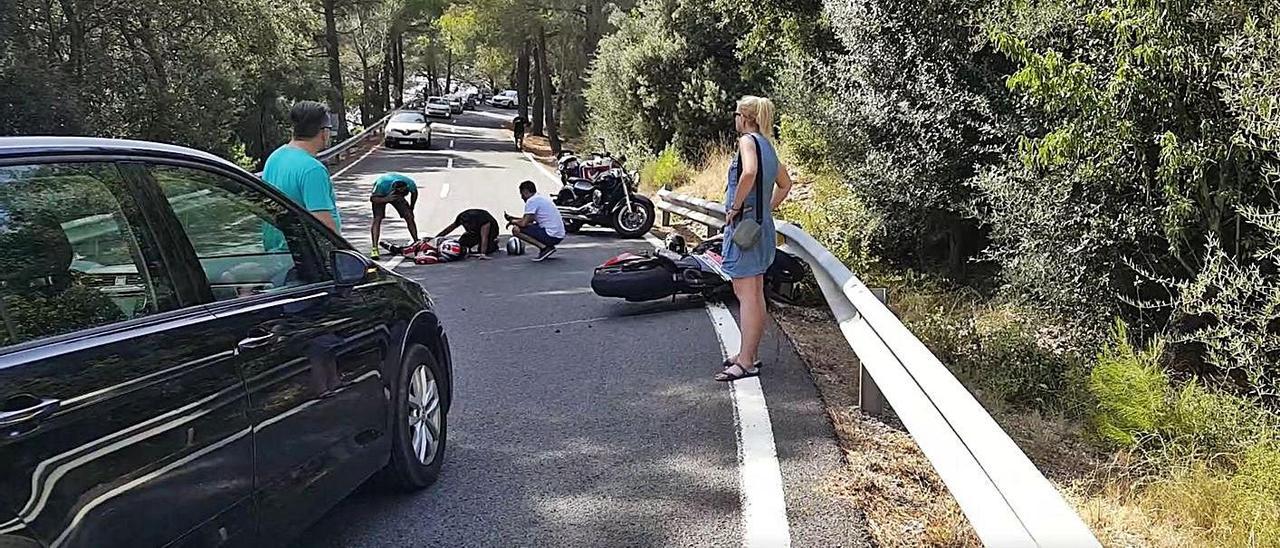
(407, 128)
(439, 107)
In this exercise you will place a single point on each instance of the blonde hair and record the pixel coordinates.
(760, 110)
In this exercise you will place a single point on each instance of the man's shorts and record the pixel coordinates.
(538, 233)
(401, 205)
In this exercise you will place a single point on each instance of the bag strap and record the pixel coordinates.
(759, 183)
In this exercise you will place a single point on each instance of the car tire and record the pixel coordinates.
(572, 226)
(407, 471)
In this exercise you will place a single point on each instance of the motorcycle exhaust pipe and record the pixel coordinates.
(573, 217)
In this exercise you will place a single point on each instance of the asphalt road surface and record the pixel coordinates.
(578, 420)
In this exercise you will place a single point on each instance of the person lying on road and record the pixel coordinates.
(541, 226)
(391, 188)
(479, 231)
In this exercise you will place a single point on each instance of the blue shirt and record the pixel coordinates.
(301, 177)
(382, 187)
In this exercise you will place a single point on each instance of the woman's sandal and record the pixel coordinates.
(727, 376)
(729, 363)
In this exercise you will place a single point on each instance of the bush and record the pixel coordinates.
(838, 219)
(666, 170)
(1130, 388)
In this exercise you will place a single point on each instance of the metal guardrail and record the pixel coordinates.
(1006, 499)
(335, 154)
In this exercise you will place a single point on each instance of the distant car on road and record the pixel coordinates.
(507, 99)
(470, 101)
(455, 104)
(439, 107)
(407, 128)
(188, 358)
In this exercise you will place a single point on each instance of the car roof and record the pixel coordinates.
(21, 147)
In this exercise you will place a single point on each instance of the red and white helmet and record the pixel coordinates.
(450, 250)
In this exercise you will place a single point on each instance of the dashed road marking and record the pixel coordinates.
(450, 163)
(450, 143)
(444, 190)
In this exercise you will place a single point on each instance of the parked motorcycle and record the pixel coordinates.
(608, 200)
(670, 271)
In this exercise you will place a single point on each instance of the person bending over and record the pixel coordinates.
(392, 188)
(541, 226)
(479, 230)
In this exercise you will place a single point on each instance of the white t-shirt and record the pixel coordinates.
(545, 213)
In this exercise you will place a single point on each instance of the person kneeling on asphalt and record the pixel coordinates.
(541, 226)
(391, 188)
(479, 231)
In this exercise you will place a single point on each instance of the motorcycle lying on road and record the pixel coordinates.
(608, 200)
(669, 271)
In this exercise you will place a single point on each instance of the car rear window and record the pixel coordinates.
(70, 257)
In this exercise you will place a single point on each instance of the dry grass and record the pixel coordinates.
(708, 182)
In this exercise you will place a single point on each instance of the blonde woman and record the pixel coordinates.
(746, 263)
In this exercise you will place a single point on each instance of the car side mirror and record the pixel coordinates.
(350, 268)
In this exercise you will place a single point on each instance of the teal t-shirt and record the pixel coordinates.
(301, 177)
(382, 187)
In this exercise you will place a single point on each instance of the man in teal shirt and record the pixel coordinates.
(294, 170)
(391, 188)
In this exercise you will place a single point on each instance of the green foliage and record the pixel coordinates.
(669, 76)
(1147, 128)
(665, 170)
(1130, 388)
(838, 220)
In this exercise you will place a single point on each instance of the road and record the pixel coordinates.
(578, 420)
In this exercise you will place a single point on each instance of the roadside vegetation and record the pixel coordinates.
(1073, 204)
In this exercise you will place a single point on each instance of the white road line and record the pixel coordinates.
(444, 190)
(764, 506)
(450, 143)
(542, 168)
(450, 163)
(353, 164)
(392, 263)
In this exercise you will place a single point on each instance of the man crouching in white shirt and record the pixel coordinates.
(541, 226)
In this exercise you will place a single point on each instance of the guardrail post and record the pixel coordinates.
(870, 399)
(666, 218)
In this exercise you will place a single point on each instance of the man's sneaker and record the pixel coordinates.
(374, 254)
(546, 252)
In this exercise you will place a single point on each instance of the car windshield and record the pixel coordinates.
(411, 117)
(436, 101)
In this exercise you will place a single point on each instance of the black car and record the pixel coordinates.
(189, 359)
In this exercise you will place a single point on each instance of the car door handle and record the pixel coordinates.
(258, 341)
(26, 408)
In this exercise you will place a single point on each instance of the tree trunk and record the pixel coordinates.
(398, 67)
(76, 31)
(535, 122)
(336, 103)
(548, 94)
(522, 80)
(448, 72)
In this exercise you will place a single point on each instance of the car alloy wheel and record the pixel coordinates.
(424, 413)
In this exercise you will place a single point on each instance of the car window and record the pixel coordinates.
(247, 242)
(411, 117)
(70, 259)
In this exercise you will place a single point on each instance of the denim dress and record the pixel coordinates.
(754, 261)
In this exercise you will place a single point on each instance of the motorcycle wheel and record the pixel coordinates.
(635, 224)
(572, 226)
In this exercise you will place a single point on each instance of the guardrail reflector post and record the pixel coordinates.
(870, 400)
